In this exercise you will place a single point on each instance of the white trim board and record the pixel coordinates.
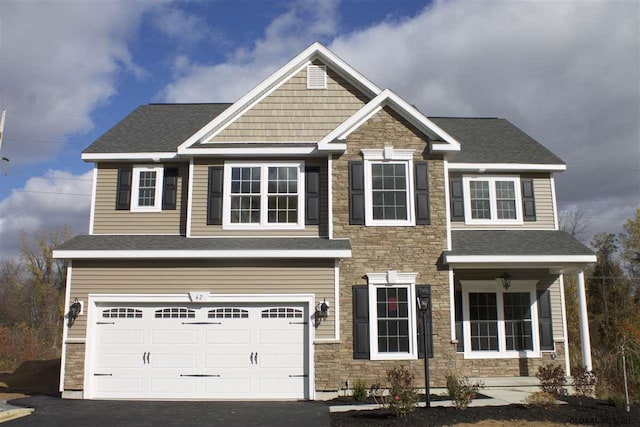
(541, 259)
(155, 157)
(514, 167)
(193, 253)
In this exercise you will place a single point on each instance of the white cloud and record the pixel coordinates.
(56, 199)
(303, 23)
(58, 61)
(182, 26)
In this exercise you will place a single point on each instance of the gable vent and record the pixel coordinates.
(316, 77)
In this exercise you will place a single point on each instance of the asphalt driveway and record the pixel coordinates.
(53, 411)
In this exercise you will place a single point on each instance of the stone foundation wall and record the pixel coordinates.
(74, 367)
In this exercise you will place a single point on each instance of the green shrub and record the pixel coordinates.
(359, 390)
(402, 397)
(461, 390)
(539, 398)
(552, 379)
(584, 382)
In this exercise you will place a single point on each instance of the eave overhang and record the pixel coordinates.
(506, 167)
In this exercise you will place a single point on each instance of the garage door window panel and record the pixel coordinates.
(175, 313)
(228, 313)
(122, 313)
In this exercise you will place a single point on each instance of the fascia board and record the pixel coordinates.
(90, 157)
(512, 259)
(485, 167)
(316, 49)
(165, 254)
(243, 151)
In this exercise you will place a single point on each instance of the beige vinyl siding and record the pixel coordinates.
(199, 227)
(544, 207)
(108, 220)
(217, 277)
(294, 113)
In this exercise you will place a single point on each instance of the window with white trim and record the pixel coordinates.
(269, 195)
(146, 193)
(392, 316)
(388, 184)
(499, 323)
(492, 200)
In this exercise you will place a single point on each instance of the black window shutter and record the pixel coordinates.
(458, 317)
(123, 191)
(170, 189)
(544, 319)
(456, 199)
(422, 290)
(356, 193)
(360, 322)
(422, 193)
(214, 196)
(312, 195)
(528, 200)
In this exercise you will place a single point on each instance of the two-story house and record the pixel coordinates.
(276, 246)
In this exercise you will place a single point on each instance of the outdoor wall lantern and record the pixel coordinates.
(74, 311)
(322, 312)
(506, 281)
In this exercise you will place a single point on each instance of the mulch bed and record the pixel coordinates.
(579, 411)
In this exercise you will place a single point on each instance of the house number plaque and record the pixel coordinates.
(199, 296)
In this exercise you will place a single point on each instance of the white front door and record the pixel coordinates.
(201, 351)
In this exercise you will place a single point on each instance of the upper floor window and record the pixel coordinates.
(147, 188)
(492, 199)
(388, 187)
(264, 195)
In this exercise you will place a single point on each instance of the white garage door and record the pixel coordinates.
(200, 352)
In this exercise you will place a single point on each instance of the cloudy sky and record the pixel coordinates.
(565, 72)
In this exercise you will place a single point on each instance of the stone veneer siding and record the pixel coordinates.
(74, 367)
(405, 249)
(379, 249)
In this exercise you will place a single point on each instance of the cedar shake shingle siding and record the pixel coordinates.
(294, 113)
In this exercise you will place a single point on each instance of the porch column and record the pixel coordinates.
(584, 323)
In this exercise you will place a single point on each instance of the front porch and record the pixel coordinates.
(508, 293)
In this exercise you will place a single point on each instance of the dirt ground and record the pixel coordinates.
(32, 377)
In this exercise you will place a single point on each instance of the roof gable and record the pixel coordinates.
(314, 52)
(293, 112)
(388, 98)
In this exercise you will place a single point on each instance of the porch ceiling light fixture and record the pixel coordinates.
(506, 281)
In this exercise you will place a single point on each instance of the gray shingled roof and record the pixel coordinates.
(98, 242)
(493, 140)
(515, 242)
(156, 128)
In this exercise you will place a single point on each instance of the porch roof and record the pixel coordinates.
(490, 248)
(149, 246)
